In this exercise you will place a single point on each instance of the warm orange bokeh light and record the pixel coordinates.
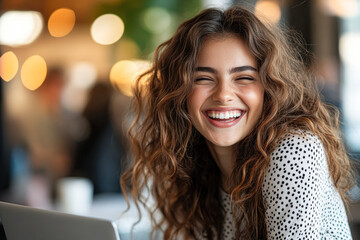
(33, 72)
(9, 66)
(61, 22)
(268, 11)
(124, 73)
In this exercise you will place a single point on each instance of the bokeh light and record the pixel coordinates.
(349, 48)
(124, 73)
(61, 22)
(107, 29)
(33, 72)
(340, 8)
(268, 11)
(9, 66)
(156, 19)
(20, 27)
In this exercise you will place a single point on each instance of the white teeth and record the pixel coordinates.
(227, 115)
(224, 115)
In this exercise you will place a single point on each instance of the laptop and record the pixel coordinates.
(24, 223)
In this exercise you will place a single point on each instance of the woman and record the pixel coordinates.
(233, 137)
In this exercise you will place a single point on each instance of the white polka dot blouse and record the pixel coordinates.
(300, 199)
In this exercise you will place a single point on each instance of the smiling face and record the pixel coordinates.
(227, 96)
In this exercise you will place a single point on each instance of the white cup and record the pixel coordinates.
(75, 195)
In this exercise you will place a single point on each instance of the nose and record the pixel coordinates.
(224, 92)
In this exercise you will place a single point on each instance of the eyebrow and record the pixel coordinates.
(233, 70)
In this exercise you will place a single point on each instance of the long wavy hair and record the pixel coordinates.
(171, 159)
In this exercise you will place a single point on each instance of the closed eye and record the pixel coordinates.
(202, 79)
(244, 78)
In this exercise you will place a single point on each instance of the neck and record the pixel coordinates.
(225, 159)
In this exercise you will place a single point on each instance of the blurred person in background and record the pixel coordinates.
(41, 146)
(232, 139)
(50, 146)
(99, 156)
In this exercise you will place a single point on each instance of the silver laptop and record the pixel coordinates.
(24, 223)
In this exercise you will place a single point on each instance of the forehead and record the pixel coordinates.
(225, 50)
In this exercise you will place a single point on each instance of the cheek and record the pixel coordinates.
(255, 99)
(194, 101)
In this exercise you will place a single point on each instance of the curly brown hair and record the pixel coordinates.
(171, 158)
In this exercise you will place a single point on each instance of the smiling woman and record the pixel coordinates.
(226, 83)
(232, 139)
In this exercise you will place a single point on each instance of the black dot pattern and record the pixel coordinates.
(300, 199)
(229, 224)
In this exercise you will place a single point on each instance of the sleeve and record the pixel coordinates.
(292, 188)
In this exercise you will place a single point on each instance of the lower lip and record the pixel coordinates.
(223, 124)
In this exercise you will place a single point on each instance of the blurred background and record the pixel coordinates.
(66, 69)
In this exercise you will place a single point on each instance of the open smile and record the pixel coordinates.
(224, 118)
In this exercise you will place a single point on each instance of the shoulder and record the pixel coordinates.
(298, 191)
(299, 161)
(298, 147)
(298, 142)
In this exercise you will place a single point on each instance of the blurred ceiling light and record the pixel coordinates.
(125, 72)
(33, 72)
(9, 66)
(61, 22)
(268, 11)
(349, 48)
(107, 29)
(20, 27)
(340, 8)
(156, 19)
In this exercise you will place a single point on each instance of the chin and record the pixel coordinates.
(225, 143)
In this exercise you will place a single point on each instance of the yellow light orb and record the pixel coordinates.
(107, 29)
(122, 75)
(9, 66)
(268, 11)
(125, 72)
(33, 72)
(61, 22)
